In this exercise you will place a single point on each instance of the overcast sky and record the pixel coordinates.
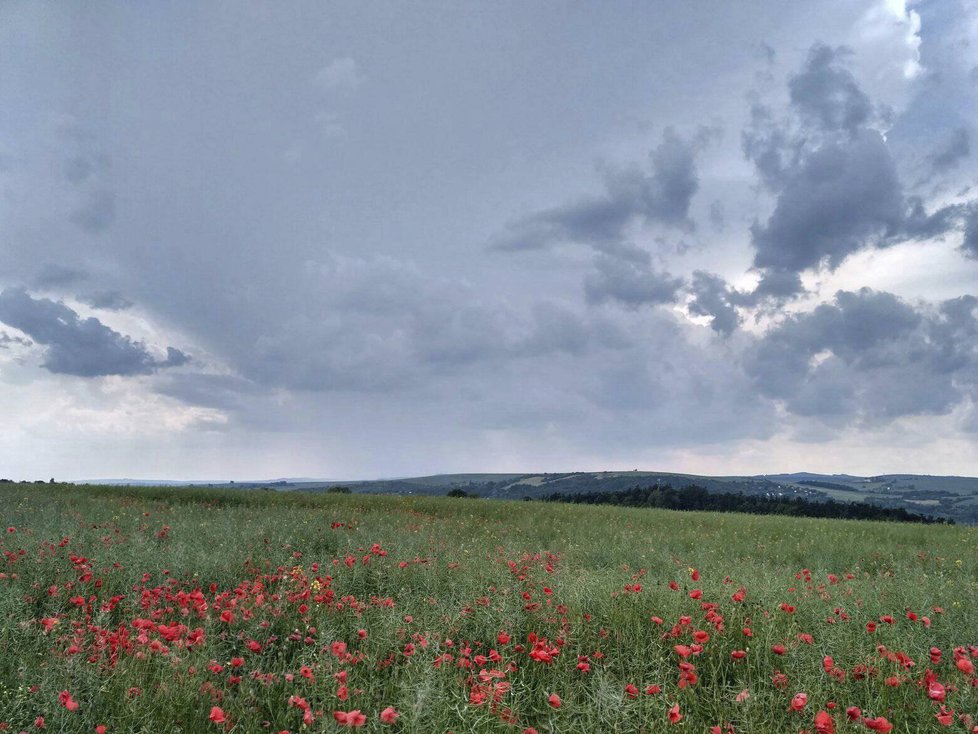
(251, 240)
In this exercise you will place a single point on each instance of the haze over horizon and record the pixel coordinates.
(351, 240)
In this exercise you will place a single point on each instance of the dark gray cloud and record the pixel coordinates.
(623, 273)
(969, 245)
(834, 176)
(107, 300)
(776, 286)
(712, 297)
(826, 95)
(770, 145)
(661, 195)
(919, 224)
(840, 198)
(870, 356)
(629, 282)
(75, 346)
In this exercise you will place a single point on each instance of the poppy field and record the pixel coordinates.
(187, 610)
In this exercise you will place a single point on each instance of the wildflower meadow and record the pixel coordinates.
(190, 610)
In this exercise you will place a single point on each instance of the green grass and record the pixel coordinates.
(459, 570)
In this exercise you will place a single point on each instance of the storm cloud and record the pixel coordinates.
(836, 181)
(870, 356)
(659, 195)
(76, 346)
(712, 297)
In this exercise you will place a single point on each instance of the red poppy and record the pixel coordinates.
(824, 724)
(878, 724)
(65, 699)
(350, 718)
(799, 701)
(674, 715)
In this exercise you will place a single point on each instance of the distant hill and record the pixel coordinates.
(941, 496)
(950, 497)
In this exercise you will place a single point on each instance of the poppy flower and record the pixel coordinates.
(674, 715)
(554, 700)
(799, 701)
(350, 718)
(389, 715)
(65, 699)
(878, 724)
(217, 715)
(824, 724)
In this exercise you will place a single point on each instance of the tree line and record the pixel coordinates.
(693, 497)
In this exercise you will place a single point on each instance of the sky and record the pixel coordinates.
(358, 240)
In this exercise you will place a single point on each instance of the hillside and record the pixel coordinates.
(950, 497)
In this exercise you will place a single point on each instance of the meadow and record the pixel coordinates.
(186, 610)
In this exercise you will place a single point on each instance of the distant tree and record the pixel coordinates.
(339, 489)
(693, 497)
(462, 493)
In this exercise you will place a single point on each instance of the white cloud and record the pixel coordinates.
(887, 44)
(339, 74)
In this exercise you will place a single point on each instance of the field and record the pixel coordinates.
(187, 610)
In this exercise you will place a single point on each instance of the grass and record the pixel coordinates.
(433, 583)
